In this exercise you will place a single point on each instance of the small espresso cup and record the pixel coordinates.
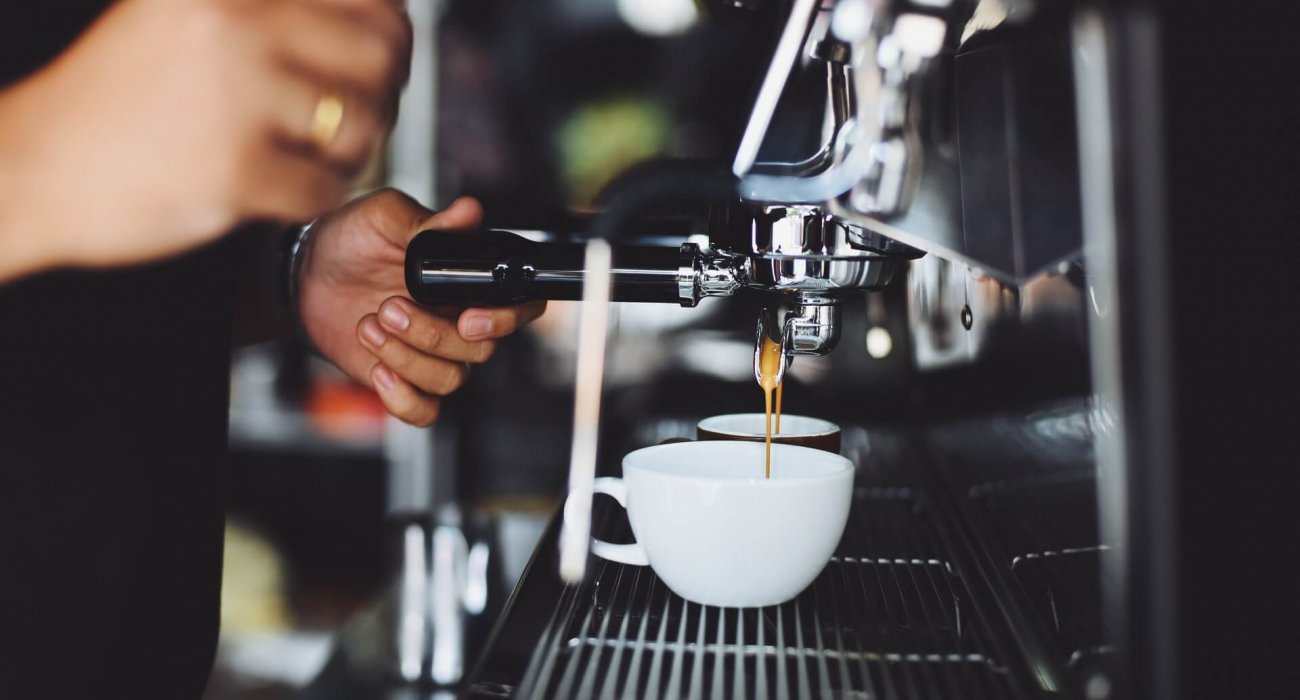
(717, 531)
(804, 431)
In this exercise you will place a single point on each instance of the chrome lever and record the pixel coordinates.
(874, 156)
(769, 94)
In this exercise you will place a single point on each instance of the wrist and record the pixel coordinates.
(297, 249)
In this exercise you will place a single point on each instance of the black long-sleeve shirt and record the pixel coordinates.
(113, 401)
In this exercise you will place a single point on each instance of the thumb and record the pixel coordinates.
(465, 212)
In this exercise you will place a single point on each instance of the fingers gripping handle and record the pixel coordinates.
(484, 268)
(633, 554)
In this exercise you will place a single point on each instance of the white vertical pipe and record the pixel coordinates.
(592, 334)
(412, 149)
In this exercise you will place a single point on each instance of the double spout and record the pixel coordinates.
(811, 328)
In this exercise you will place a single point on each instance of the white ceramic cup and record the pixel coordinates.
(718, 532)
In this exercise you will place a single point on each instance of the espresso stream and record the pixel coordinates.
(769, 364)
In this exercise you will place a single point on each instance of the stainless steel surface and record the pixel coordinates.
(412, 620)
(876, 149)
(811, 328)
(783, 61)
(439, 583)
(949, 312)
(1126, 237)
(901, 55)
(820, 276)
(819, 46)
(851, 157)
(708, 273)
(890, 162)
(801, 249)
(890, 617)
(420, 636)
(443, 581)
(807, 231)
(813, 325)
(839, 92)
(769, 328)
(1096, 146)
(690, 275)
(933, 221)
(1055, 558)
(450, 564)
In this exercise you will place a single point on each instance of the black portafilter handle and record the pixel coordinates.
(499, 268)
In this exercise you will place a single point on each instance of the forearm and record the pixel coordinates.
(63, 202)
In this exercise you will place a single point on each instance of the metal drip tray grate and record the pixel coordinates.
(1064, 591)
(887, 618)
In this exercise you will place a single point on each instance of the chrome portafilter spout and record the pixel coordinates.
(770, 330)
(812, 327)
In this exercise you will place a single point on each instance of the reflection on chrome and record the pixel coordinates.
(410, 616)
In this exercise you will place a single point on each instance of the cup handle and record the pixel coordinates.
(633, 553)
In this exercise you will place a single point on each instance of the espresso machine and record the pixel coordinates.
(994, 169)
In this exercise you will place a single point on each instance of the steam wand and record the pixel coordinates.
(593, 330)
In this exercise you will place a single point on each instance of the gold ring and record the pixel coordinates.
(327, 119)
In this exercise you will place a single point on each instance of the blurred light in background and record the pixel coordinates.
(659, 17)
(601, 139)
(879, 343)
(718, 355)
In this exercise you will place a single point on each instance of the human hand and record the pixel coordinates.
(353, 304)
(169, 123)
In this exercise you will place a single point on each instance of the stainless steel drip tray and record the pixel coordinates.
(890, 617)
